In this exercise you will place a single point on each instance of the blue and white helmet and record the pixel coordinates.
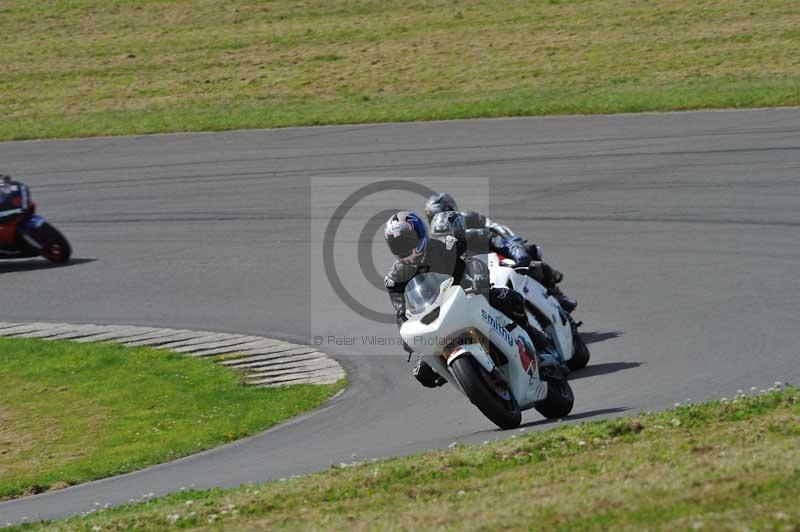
(406, 236)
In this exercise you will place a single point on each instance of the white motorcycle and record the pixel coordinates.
(484, 353)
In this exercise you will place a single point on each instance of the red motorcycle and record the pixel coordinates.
(23, 233)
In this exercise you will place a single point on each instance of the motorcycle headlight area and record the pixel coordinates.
(469, 337)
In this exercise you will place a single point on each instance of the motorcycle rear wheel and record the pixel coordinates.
(558, 402)
(503, 413)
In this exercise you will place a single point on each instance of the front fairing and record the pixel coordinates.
(31, 221)
(461, 312)
(13, 227)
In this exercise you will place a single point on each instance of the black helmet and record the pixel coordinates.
(439, 203)
(407, 237)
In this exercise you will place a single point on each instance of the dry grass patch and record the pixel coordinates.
(36, 437)
(139, 66)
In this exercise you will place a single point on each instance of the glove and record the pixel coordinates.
(535, 251)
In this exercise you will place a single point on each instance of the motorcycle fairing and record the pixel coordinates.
(18, 226)
(536, 295)
(32, 222)
(8, 234)
(527, 388)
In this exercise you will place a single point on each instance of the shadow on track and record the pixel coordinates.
(598, 336)
(593, 370)
(573, 417)
(27, 265)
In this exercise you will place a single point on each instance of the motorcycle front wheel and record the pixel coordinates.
(54, 246)
(504, 413)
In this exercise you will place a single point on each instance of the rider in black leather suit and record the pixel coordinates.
(443, 216)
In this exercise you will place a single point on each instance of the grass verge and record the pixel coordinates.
(75, 412)
(92, 67)
(721, 465)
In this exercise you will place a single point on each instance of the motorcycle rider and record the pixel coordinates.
(416, 252)
(443, 216)
(14, 197)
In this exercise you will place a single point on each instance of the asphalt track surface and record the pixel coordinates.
(679, 234)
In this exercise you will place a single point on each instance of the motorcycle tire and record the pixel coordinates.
(558, 402)
(503, 413)
(581, 356)
(55, 247)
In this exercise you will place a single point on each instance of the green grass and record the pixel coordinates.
(90, 67)
(74, 412)
(729, 465)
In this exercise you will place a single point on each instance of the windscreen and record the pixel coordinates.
(423, 290)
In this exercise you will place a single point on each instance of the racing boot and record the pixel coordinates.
(551, 366)
(426, 376)
(551, 278)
